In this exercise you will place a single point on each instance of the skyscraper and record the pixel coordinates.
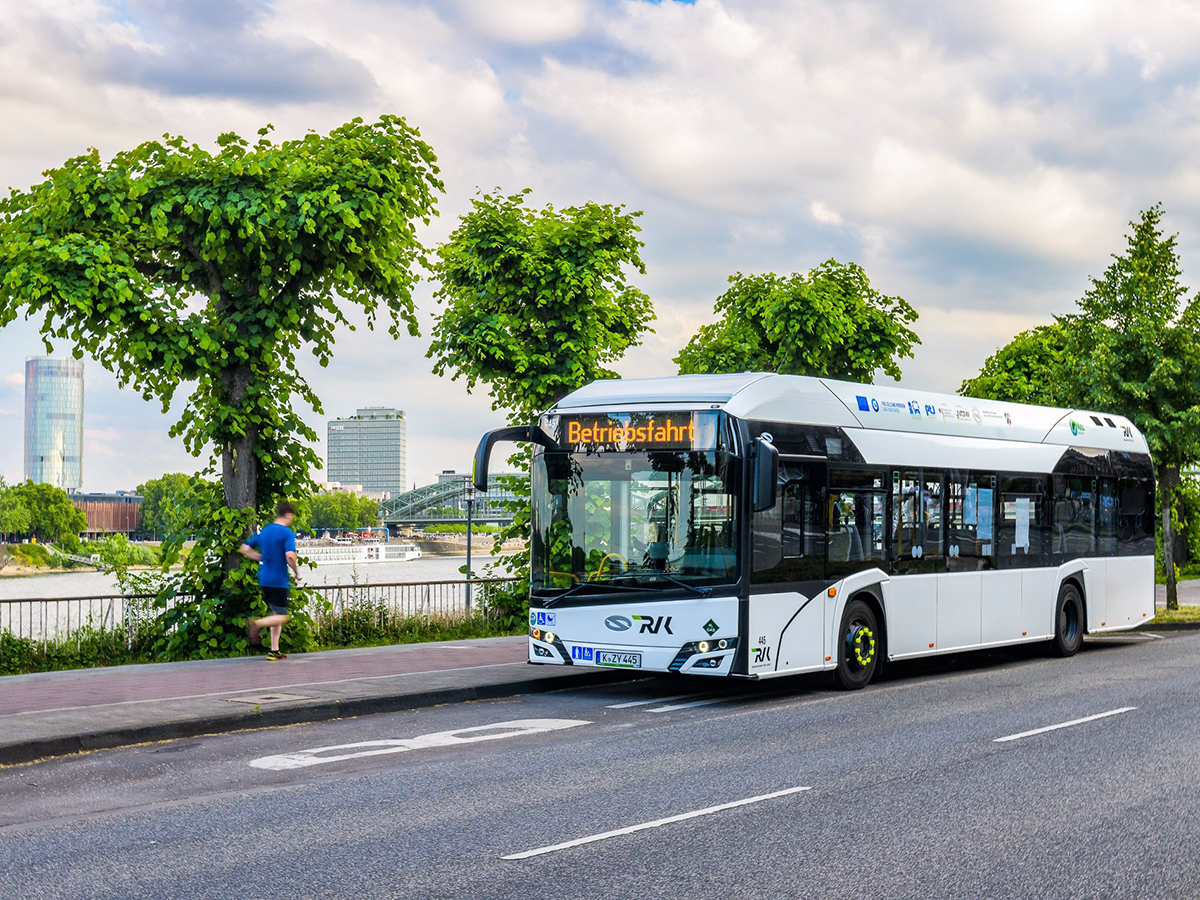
(369, 448)
(54, 421)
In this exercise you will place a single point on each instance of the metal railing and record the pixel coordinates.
(349, 608)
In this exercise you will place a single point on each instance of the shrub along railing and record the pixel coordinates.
(352, 611)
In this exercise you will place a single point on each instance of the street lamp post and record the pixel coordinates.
(469, 496)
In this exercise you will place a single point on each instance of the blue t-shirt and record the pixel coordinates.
(274, 542)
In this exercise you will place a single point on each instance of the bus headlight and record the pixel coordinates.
(687, 651)
(703, 646)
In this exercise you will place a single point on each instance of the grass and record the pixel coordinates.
(1172, 616)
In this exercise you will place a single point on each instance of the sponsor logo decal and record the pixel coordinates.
(914, 408)
(584, 654)
(1008, 418)
(976, 415)
(543, 618)
(863, 405)
(618, 623)
(1077, 428)
(930, 409)
(874, 404)
(760, 656)
(652, 625)
(1127, 433)
(711, 627)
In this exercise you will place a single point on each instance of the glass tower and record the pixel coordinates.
(54, 421)
(369, 448)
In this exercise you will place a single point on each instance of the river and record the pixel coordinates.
(95, 584)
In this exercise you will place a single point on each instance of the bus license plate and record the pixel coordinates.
(624, 660)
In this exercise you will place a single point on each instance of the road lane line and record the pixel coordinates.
(710, 700)
(1025, 734)
(657, 823)
(648, 702)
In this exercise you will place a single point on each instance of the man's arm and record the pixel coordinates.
(249, 552)
(295, 567)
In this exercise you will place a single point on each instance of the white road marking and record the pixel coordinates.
(707, 702)
(319, 755)
(648, 702)
(1025, 734)
(655, 824)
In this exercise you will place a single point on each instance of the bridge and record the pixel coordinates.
(445, 503)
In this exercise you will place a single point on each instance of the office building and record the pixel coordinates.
(54, 421)
(119, 513)
(369, 449)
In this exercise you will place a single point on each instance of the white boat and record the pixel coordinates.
(324, 555)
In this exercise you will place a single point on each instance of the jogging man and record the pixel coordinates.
(274, 549)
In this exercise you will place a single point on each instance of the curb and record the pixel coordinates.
(1169, 626)
(322, 711)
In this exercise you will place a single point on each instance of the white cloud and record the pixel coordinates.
(16, 379)
(823, 214)
(525, 21)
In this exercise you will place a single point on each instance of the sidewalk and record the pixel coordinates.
(56, 713)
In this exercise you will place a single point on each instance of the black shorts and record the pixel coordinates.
(277, 599)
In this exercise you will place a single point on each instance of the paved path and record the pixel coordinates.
(55, 713)
(1189, 593)
(952, 778)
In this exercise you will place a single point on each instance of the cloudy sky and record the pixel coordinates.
(979, 159)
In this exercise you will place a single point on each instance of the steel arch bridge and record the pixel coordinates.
(444, 503)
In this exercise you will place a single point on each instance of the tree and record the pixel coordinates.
(1034, 367)
(53, 518)
(14, 514)
(170, 263)
(828, 321)
(537, 302)
(1137, 352)
(537, 305)
(169, 505)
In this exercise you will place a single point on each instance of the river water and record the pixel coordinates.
(96, 584)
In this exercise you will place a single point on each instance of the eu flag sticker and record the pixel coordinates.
(863, 405)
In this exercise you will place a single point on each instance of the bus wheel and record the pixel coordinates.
(859, 645)
(1068, 621)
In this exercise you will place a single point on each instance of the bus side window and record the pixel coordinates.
(1022, 530)
(1135, 517)
(918, 536)
(1073, 531)
(789, 538)
(971, 546)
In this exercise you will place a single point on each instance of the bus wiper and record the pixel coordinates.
(703, 592)
(551, 601)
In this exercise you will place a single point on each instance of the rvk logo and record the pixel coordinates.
(761, 655)
(651, 625)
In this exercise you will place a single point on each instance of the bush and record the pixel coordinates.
(455, 528)
(86, 648)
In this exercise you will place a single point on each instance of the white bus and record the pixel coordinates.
(759, 525)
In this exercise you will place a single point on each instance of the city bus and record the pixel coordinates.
(758, 525)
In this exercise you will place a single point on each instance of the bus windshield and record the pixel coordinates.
(656, 519)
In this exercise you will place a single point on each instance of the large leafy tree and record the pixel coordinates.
(537, 304)
(1137, 352)
(340, 510)
(14, 514)
(52, 515)
(828, 321)
(174, 264)
(1034, 367)
(169, 504)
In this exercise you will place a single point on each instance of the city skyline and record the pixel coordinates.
(980, 165)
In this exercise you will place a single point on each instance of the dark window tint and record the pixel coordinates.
(1135, 517)
(789, 538)
(1111, 423)
(918, 533)
(1106, 516)
(855, 530)
(1073, 531)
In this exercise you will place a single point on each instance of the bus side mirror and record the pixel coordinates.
(531, 433)
(765, 475)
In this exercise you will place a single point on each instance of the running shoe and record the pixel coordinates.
(274, 655)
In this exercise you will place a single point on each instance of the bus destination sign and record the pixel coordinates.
(639, 431)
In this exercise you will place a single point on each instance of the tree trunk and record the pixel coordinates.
(1170, 476)
(239, 465)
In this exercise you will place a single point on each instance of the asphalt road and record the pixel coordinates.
(908, 793)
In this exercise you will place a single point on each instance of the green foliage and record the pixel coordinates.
(374, 624)
(53, 518)
(537, 301)
(15, 517)
(33, 556)
(342, 511)
(537, 305)
(88, 647)
(169, 504)
(171, 264)
(1034, 367)
(828, 321)
(1136, 351)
